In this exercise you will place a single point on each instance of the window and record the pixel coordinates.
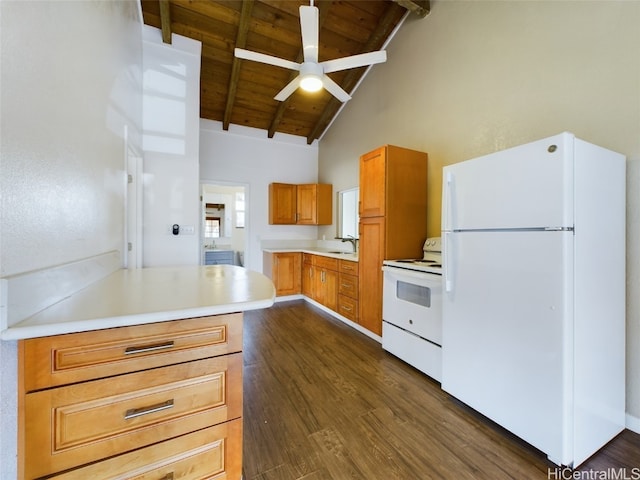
(239, 209)
(212, 227)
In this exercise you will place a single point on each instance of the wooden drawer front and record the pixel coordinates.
(348, 307)
(348, 285)
(308, 258)
(326, 262)
(212, 452)
(349, 267)
(78, 424)
(64, 359)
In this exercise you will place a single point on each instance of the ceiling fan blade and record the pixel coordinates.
(268, 59)
(334, 89)
(354, 61)
(291, 87)
(309, 19)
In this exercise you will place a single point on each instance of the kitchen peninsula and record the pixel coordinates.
(139, 372)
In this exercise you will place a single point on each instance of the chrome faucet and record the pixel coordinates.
(352, 240)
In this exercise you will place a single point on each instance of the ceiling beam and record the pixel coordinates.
(165, 21)
(351, 79)
(241, 41)
(323, 9)
(419, 7)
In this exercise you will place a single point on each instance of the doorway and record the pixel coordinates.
(223, 222)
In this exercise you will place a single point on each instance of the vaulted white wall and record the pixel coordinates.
(69, 88)
(474, 77)
(171, 109)
(70, 77)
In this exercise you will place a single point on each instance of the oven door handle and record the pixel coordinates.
(426, 279)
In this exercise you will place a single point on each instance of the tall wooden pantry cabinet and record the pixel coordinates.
(393, 220)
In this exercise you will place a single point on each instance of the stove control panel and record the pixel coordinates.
(432, 244)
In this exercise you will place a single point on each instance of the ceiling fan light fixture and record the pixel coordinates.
(311, 77)
(311, 83)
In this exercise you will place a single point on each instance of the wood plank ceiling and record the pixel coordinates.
(240, 92)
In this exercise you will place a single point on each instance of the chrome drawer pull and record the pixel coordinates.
(148, 348)
(138, 412)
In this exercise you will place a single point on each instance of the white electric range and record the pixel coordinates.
(412, 309)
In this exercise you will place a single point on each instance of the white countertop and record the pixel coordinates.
(147, 295)
(353, 257)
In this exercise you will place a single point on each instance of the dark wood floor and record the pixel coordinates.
(325, 402)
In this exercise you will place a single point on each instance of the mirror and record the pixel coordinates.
(348, 213)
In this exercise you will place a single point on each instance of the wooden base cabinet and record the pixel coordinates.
(284, 269)
(308, 276)
(133, 402)
(348, 291)
(372, 243)
(207, 453)
(326, 281)
(332, 283)
(320, 279)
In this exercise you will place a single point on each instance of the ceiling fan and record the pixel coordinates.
(313, 74)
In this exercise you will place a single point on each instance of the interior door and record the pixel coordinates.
(507, 319)
(134, 202)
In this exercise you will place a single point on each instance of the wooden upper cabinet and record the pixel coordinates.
(372, 183)
(282, 204)
(306, 204)
(314, 204)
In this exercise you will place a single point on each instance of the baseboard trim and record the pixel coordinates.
(288, 298)
(350, 323)
(633, 423)
(335, 315)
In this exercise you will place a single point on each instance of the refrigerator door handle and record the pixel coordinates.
(448, 202)
(447, 254)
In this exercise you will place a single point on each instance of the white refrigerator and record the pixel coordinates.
(534, 302)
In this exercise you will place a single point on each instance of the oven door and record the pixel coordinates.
(412, 301)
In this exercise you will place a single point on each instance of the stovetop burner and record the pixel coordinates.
(431, 262)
